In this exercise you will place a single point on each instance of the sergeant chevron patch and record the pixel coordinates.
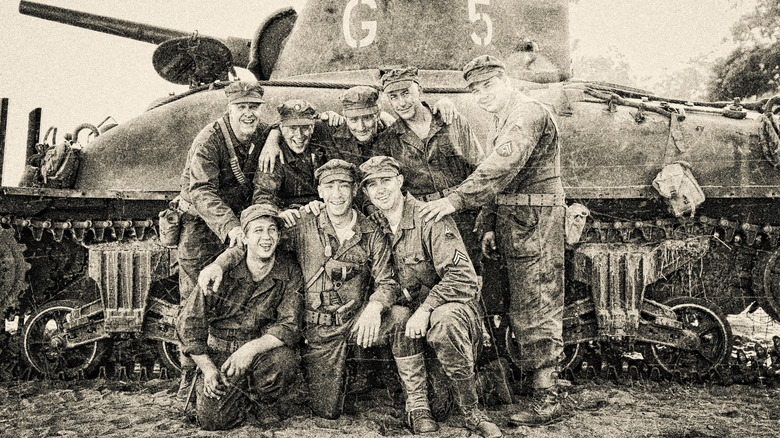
(459, 257)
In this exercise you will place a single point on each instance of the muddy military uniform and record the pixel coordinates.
(337, 288)
(211, 195)
(434, 166)
(293, 184)
(242, 310)
(437, 276)
(522, 176)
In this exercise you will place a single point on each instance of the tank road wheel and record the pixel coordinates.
(768, 279)
(44, 343)
(714, 335)
(169, 355)
(12, 270)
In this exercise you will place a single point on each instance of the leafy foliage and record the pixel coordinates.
(754, 67)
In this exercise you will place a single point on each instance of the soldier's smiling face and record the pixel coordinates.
(337, 195)
(492, 93)
(406, 102)
(244, 118)
(262, 237)
(297, 136)
(363, 127)
(385, 192)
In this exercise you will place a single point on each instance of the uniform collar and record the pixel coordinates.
(409, 214)
(362, 224)
(241, 271)
(400, 127)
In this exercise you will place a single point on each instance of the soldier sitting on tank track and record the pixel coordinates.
(243, 336)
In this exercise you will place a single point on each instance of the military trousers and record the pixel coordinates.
(325, 355)
(531, 242)
(269, 376)
(454, 334)
(198, 246)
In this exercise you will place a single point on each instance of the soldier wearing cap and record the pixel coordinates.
(439, 283)
(522, 176)
(341, 253)
(244, 335)
(293, 184)
(435, 156)
(216, 185)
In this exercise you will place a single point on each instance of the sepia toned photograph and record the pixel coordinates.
(390, 218)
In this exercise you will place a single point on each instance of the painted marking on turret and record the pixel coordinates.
(475, 16)
(370, 26)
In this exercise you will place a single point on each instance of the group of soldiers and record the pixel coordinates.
(386, 219)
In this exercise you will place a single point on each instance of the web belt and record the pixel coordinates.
(534, 200)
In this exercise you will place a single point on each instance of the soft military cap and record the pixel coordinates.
(244, 92)
(256, 211)
(336, 169)
(399, 79)
(296, 112)
(379, 167)
(482, 68)
(359, 101)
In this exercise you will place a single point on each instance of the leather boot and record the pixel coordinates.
(476, 420)
(545, 407)
(414, 379)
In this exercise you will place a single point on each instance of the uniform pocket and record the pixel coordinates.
(524, 231)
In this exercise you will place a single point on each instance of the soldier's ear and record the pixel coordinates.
(401, 180)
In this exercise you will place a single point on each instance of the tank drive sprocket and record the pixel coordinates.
(13, 269)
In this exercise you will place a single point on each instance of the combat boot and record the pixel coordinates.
(414, 379)
(545, 407)
(476, 420)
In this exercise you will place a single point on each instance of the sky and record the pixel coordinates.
(77, 75)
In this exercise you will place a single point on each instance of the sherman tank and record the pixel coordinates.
(656, 266)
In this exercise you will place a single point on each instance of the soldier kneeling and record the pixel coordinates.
(242, 335)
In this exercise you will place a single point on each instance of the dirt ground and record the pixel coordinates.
(110, 408)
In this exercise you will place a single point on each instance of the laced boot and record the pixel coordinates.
(414, 379)
(545, 407)
(187, 377)
(476, 420)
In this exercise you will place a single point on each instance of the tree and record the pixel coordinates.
(753, 68)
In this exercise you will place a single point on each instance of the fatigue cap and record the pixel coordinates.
(336, 169)
(482, 68)
(256, 211)
(244, 92)
(359, 101)
(296, 112)
(399, 79)
(379, 167)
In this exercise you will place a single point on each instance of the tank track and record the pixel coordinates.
(726, 275)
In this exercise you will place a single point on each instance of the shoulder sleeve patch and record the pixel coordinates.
(505, 149)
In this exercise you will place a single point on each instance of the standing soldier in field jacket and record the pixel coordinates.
(244, 335)
(522, 176)
(435, 156)
(216, 185)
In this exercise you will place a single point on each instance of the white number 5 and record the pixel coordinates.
(475, 16)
